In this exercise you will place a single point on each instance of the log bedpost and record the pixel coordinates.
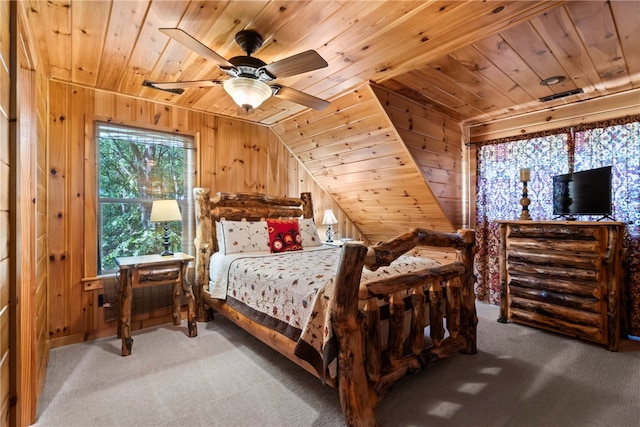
(468, 317)
(356, 397)
(396, 328)
(373, 346)
(418, 299)
(307, 205)
(204, 248)
(453, 307)
(435, 313)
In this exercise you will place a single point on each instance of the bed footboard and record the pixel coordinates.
(362, 381)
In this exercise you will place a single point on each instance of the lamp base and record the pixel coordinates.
(330, 234)
(165, 243)
(525, 202)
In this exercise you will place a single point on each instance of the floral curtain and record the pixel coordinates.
(499, 191)
(619, 146)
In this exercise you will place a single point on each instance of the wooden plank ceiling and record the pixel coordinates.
(472, 62)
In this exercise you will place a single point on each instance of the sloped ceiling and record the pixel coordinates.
(356, 154)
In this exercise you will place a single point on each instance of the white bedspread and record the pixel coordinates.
(289, 293)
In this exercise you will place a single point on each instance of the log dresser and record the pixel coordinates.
(154, 270)
(563, 276)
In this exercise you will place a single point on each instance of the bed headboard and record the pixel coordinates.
(257, 206)
(243, 206)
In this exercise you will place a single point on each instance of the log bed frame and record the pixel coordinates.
(366, 367)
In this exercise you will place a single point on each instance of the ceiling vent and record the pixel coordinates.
(561, 95)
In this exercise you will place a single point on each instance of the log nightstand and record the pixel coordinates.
(341, 242)
(153, 270)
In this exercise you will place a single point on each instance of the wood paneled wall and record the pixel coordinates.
(23, 270)
(435, 142)
(356, 153)
(233, 155)
(23, 244)
(242, 156)
(31, 270)
(38, 125)
(5, 260)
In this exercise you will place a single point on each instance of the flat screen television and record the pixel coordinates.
(583, 193)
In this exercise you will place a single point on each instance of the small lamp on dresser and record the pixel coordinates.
(165, 211)
(525, 176)
(328, 220)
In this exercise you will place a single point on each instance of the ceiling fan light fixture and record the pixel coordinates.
(246, 92)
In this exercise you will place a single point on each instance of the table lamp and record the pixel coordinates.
(329, 220)
(165, 211)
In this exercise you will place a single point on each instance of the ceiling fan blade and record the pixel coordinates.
(296, 64)
(298, 97)
(187, 40)
(178, 87)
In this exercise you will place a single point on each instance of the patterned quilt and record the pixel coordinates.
(289, 291)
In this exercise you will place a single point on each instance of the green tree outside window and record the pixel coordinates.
(136, 167)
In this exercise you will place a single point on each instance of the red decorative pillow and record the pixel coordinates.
(284, 235)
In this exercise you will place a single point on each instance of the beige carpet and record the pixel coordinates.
(520, 377)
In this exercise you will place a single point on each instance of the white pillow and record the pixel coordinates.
(309, 233)
(242, 236)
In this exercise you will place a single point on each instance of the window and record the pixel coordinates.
(135, 167)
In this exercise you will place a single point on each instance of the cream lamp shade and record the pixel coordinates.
(329, 218)
(165, 211)
(247, 93)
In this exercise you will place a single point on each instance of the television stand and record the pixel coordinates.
(565, 218)
(575, 218)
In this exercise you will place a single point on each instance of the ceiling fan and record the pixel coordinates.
(249, 82)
